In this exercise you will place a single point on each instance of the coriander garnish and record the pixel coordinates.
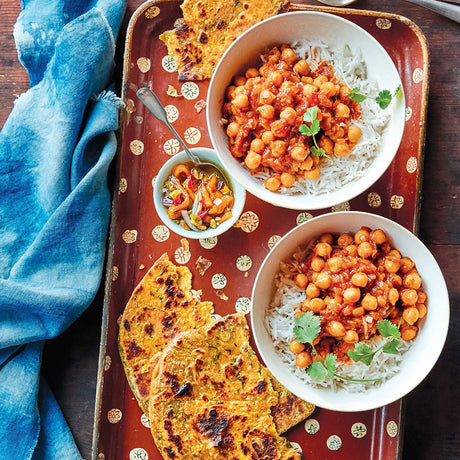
(310, 116)
(383, 99)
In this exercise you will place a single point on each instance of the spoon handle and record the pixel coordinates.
(151, 101)
(444, 9)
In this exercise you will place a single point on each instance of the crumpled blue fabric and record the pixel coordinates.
(55, 151)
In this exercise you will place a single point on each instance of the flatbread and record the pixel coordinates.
(209, 27)
(211, 398)
(161, 307)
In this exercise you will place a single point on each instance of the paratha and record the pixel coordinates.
(207, 30)
(160, 308)
(211, 398)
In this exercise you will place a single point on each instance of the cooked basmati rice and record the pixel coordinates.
(279, 321)
(338, 171)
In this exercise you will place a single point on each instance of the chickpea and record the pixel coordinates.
(391, 264)
(323, 250)
(344, 91)
(241, 101)
(407, 264)
(326, 144)
(421, 297)
(288, 55)
(411, 315)
(351, 337)
(230, 92)
(351, 295)
(302, 67)
(299, 153)
(266, 111)
(369, 302)
(326, 238)
(301, 280)
(296, 347)
(267, 137)
(289, 115)
(422, 310)
(252, 72)
(239, 90)
(344, 240)
(393, 296)
(358, 311)
(287, 179)
(365, 250)
(257, 145)
(307, 164)
(359, 279)
(266, 96)
(276, 78)
(354, 134)
(395, 280)
(341, 148)
(335, 329)
(409, 333)
(317, 304)
(335, 264)
(361, 236)
(409, 297)
(395, 253)
(342, 111)
(312, 291)
(309, 89)
(233, 129)
(352, 250)
(317, 264)
(328, 89)
(307, 80)
(253, 160)
(272, 183)
(303, 359)
(305, 305)
(313, 174)
(323, 281)
(239, 80)
(319, 80)
(412, 280)
(278, 148)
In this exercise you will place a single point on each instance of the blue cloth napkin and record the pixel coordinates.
(55, 150)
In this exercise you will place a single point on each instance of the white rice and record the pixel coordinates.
(279, 321)
(339, 171)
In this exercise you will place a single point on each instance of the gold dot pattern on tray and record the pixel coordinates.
(192, 135)
(408, 113)
(208, 243)
(273, 240)
(145, 421)
(219, 281)
(417, 75)
(123, 185)
(136, 147)
(100, 456)
(171, 147)
(397, 201)
(383, 23)
(190, 90)
(130, 107)
(138, 119)
(334, 442)
(311, 426)
(115, 272)
(345, 206)
(392, 428)
(168, 64)
(129, 236)
(172, 113)
(160, 233)
(243, 305)
(374, 200)
(243, 263)
(296, 447)
(411, 165)
(107, 363)
(358, 430)
(182, 256)
(138, 454)
(152, 12)
(144, 64)
(114, 415)
(303, 217)
(250, 221)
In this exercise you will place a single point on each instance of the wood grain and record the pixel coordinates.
(432, 428)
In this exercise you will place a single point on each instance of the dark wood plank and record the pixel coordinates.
(432, 428)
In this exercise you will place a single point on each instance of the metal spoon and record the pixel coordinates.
(151, 101)
(444, 9)
(337, 2)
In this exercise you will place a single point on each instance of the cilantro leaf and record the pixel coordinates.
(361, 352)
(392, 346)
(310, 115)
(314, 126)
(317, 151)
(304, 129)
(398, 91)
(330, 362)
(356, 96)
(388, 329)
(384, 99)
(317, 371)
(307, 327)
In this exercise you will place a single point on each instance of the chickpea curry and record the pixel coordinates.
(351, 283)
(197, 199)
(265, 107)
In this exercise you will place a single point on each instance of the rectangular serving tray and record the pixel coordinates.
(138, 237)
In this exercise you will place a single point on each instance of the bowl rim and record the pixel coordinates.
(395, 387)
(325, 200)
(238, 192)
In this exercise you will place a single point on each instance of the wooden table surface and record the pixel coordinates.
(432, 425)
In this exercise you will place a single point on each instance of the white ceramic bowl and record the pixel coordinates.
(166, 170)
(288, 28)
(417, 361)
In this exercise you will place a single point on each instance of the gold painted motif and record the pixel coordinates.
(136, 147)
(417, 75)
(123, 185)
(392, 429)
(249, 221)
(411, 165)
(152, 12)
(374, 200)
(144, 64)
(334, 442)
(383, 23)
(358, 430)
(129, 236)
(114, 415)
(397, 202)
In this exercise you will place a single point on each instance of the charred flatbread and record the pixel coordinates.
(211, 398)
(208, 28)
(161, 307)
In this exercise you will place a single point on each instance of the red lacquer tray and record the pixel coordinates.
(138, 237)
